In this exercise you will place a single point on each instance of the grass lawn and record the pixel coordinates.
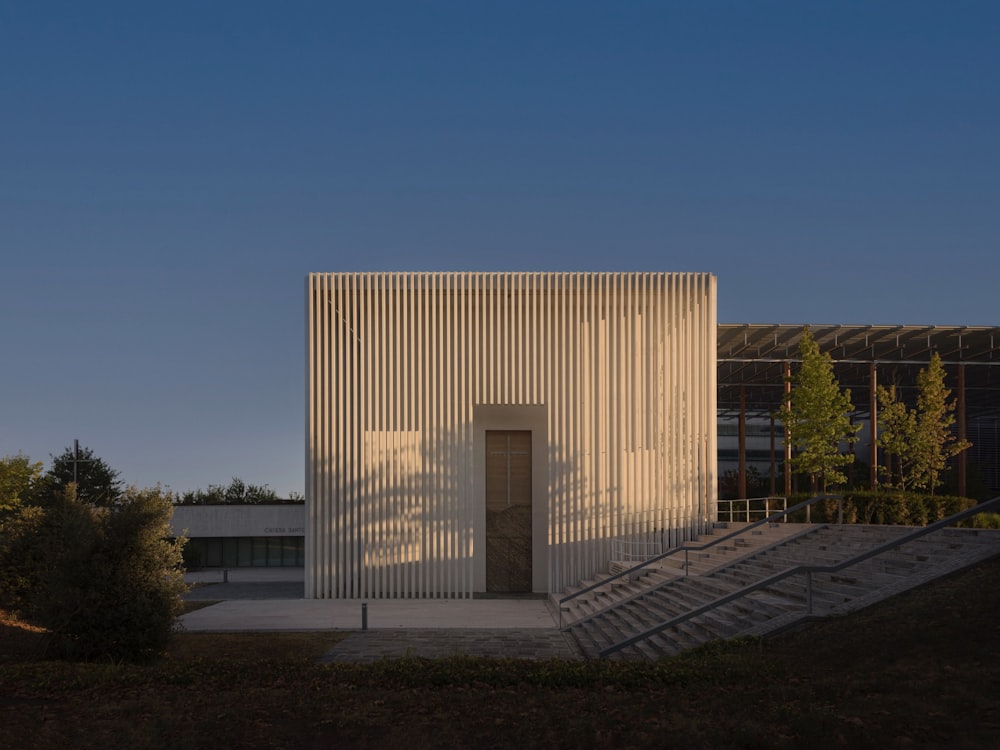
(922, 670)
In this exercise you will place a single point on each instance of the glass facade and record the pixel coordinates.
(247, 552)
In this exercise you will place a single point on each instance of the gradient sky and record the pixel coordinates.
(170, 172)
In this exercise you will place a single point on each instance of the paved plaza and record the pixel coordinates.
(270, 599)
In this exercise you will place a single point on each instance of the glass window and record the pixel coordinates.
(274, 551)
(259, 551)
(213, 553)
(229, 553)
(244, 555)
(289, 551)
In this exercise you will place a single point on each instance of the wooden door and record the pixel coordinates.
(508, 511)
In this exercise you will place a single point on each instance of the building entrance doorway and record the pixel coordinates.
(508, 511)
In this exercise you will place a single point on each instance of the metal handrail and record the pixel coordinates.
(808, 570)
(623, 549)
(766, 510)
(686, 549)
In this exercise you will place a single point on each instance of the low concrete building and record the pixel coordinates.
(234, 536)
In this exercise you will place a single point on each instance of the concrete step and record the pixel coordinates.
(613, 613)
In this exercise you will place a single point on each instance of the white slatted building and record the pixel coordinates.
(472, 432)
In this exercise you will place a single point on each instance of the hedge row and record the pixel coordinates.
(890, 508)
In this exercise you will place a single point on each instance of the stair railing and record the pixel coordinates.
(808, 571)
(749, 510)
(687, 547)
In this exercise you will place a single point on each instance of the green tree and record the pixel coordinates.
(237, 492)
(816, 418)
(935, 416)
(18, 476)
(96, 482)
(898, 437)
(920, 441)
(105, 582)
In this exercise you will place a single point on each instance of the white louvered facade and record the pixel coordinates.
(613, 374)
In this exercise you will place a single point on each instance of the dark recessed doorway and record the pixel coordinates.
(508, 511)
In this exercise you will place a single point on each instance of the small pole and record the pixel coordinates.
(364, 615)
(225, 575)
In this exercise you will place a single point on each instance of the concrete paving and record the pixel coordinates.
(346, 614)
(270, 599)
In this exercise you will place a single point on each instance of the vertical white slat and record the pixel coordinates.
(323, 515)
(565, 509)
(567, 544)
(514, 350)
(315, 503)
(702, 339)
(590, 401)
(448, 407)
(686, 427)
(334, 498)
(614, 433)
(463, 416)
(393, 432)
(422, 424)
(339, 532)
(626, 405)
(374, 531)
(712, 344)
(656, 364)
(500, 339)
(364, 477)
(312, 503)
(383, 530)
(675, 403)
(441, 438)
(345, 392)
(531, 346)
(643, 406)
(403, 424)
(545, 366)
(698, 345)
(349, 504)
(438, 398)
(576, 448)
(569, 410)
(574, 501)
(452, 405)
(475, 293)
(432, 435)
(555, 398)
(629, 411)
(426, 446)
(336, 387)
(491, 340)
(445, 400)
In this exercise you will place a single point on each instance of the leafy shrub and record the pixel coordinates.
(105, 582)
(889, 508)
(28, 551)
(986, 521)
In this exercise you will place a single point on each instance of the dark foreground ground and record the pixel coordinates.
(920, 671)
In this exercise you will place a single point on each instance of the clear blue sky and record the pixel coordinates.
(170, 172)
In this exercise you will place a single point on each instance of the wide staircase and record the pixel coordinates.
(761, 578)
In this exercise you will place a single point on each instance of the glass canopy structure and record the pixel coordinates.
(754, 359)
